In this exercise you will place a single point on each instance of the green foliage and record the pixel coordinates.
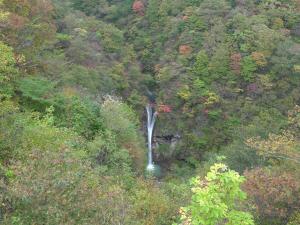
(30, 27)
(294, 220)
(3, 14)
(120, 119)
(91, 7)
(8, 71)
(68, 192)
(285, 58)
(60, 179)
(195, 23)
(81, 115)
(219, 65)
(200, 68)
(111, 38)
(228, 70)
(10, 131)
(37, 91)
(152, 206)
(153, 13)
(248, 68)
(106, 153)
(216, 199)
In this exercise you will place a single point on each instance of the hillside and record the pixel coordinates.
(221, 76)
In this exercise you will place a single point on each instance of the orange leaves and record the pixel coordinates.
(185, 18)
(16, 21)
(259, 58)
(164, 109)
(185, 49)
(235, 63)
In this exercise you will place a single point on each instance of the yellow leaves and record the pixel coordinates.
(184, 93)
(297, 68)
(3, 14)
(278, 23)
(163, 74)
(237, 90)
(6, 58)
(81, 32)
(212, 98)
(279, 145)
(266, 82)
(7, 107)
(185, 218)
(216, 170)
(294, 116)
(188, 111)
(284, 145)
(69, 92)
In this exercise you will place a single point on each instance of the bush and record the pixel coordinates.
(80, 114)
(37, 92)
(8, 72)
(151, 206)
(276, 196)
(216, 199)
(121, 120)
(11, 129)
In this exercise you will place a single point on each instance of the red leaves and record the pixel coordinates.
(275, 196)
(138, 7)
(164, 109)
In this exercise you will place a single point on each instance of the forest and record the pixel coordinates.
(222, 78)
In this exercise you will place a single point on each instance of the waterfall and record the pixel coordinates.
(151, 117)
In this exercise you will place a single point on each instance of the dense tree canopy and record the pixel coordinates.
(222, 75)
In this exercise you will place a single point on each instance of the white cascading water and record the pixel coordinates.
(151, 117)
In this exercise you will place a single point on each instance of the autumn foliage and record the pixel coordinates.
(235, 63)
(138, 7)
(164, 109)
(221, 76)
(275, 196)
(259, 58)
(16, 21)
(185, 18)
(185, 49)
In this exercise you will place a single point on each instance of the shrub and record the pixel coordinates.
(276, 196)
(216, 199)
